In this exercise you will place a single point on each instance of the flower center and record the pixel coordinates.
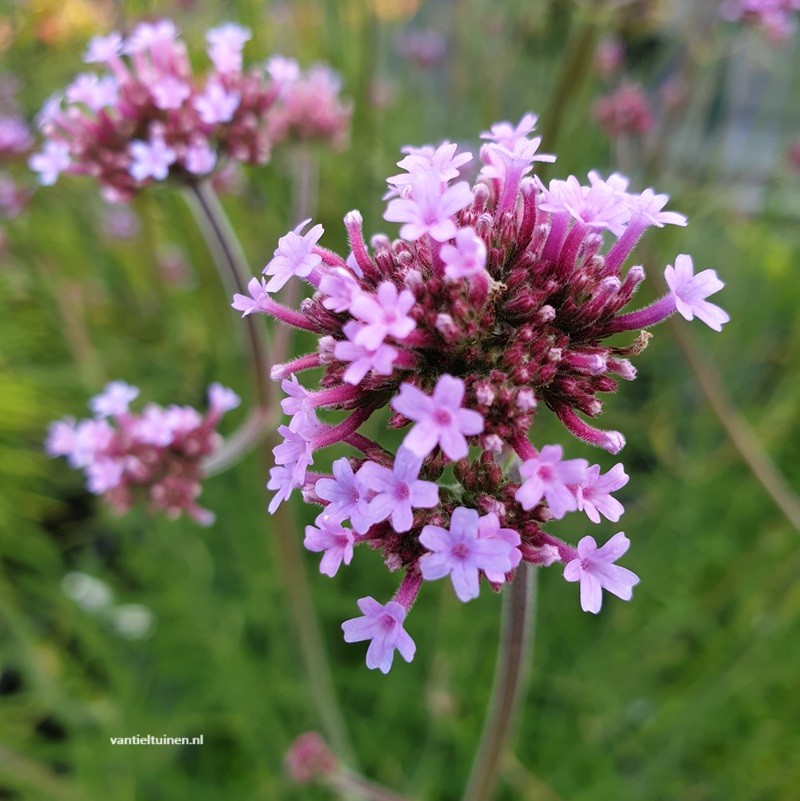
(402, 492)
(387, 622)
(442, 417)
(460, 551)
(545, 472)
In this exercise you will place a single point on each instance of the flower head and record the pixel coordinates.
(382, 624)
(690, 292)
(294, 256)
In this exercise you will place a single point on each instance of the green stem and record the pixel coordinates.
(513, 657)
(230, 261)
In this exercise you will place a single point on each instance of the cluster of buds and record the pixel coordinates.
(148, 118)
(623, 112)
(775, 17)
(155, 455)
(495, 301)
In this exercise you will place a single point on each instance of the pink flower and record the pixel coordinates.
(225, 45)
(151, 159)
(690, 292)
(507, 135)
(221, 399)
(385, 314)
(147, 35)
(593, 494)
(461, 554)
(649, 205)
(340, 288)
(330, 537)
(383, 625)
(103, 475)
(489, 529)
(429, 210)
(114, 400)
(362, 359)
(62, 438)
(256, 301)
(399, 490)
(440, 420)
(467, 258)
(102, 49)
(95, 93)
(294, 256)
(53, 159)
(346, 495)
(595, 569)
(547, 476)
(443, 160)
(169, 92)
(216, 104)
(199, 158)
(597, 206)
(296, 450)
(284, 71)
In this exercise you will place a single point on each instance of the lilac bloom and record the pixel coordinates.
(595, 569)
(443, 160)
(593, 494)
(330, 537)
(690, 292)
(507, 135)
(467, 258)
(383, 625)
(439, 418)
(169, 92)
(216, 104)
(151, 159)
(222, 399)
(225, 45)
(489, 529)
(399, 490)
(347, 496)
(340, 289)
(114, 400)
(145, 35)
(428, 210)
(103, 475)
(297, 449)
(362, 359)
(62, 438)
(50, 162)
(93, 92)
(294, 256)
(461, 554)
(200, 158)
(385, 314)
(256, 301)
(547, 476)
(102, 49)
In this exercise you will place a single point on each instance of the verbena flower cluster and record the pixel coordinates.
(623, 112)
(153, 456)
(496, 300)
(148, 118)
(775, 17)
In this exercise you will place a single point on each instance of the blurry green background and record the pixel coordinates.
(689, 692)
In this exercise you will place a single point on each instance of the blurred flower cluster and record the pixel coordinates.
(774, 17)
(496, 300)
(16, 142)
(155, 455)
(147, 117)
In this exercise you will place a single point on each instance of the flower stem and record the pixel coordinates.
(227, 252)
(348, 782)
(516, 636)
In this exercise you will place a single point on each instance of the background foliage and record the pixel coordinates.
(689, 692)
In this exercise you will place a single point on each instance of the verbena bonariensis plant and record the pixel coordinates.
(495, 300)
(155, 455)
(148, 118)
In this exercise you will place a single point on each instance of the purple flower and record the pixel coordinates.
(340, 288)
(294, 256)
(362, 359)
(151, 159)
(256, 301)
(383, 625)
(62, 438)
(95, 93)
(440, 420)
(597, 206)
(50, 162)
(690, 292)
(595, 569)
(443, 160)
(222, 399)
(399, 490)
(199, 157)
(225, 45)
(330, 537)
(346, 495)
(429, 210)
(461, 554)
(649, 205)
(467, 258)
(216, 104)
(282, 480)
(146, 35)
(297, 449)
(547, 476)
(102, 49)
(103, 475)
(489, 529)
(385, 314)
(507, 135)
(114, 400)
(593, 494)
(169, 92)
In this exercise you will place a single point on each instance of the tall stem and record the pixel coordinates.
(230, 261)
(516, 636)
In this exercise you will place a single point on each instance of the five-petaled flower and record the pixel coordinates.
(383, 625)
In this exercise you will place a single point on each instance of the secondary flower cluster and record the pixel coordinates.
(155, 455)
(496, 300)
(774, 16)
(147, 117)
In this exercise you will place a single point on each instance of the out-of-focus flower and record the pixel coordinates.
(425, 48)
(624, 112)
(609, 57)
(496, 301)
(154, 455)
(309, 759)
(775, 17)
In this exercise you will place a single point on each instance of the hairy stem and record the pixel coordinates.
(513, 657)
(224, 245)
